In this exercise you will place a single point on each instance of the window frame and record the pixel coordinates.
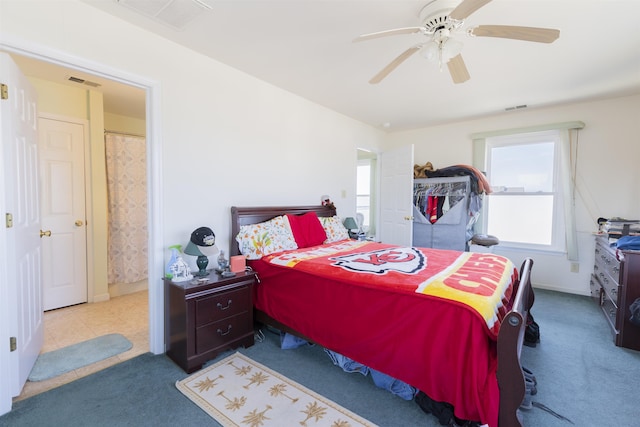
(368, 218)
(558, 235)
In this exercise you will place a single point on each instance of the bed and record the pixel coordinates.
(438, 345)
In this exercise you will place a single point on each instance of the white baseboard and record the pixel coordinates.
(558, 289)
(101, 298)
(119, 289)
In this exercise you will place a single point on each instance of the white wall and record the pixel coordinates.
(607, 175)
(218, 137)
(228, 138)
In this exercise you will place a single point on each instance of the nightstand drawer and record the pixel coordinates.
(222, 332)
(222, 305)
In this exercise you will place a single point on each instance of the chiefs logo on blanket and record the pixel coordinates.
(403, 260)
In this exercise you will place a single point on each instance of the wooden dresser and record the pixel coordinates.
(615, 285)
(204, 318)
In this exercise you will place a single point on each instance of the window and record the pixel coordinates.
(363, 191)
(366, 183)
(525, 208)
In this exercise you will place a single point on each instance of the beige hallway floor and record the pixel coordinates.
(126, 315)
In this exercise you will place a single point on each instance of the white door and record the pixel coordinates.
(22, 268)
(62, 206)
(396, 196)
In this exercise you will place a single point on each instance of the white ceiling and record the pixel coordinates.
(305, 47)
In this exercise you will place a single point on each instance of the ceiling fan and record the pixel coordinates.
(440, 20)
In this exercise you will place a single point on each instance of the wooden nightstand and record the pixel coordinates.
(202, 319)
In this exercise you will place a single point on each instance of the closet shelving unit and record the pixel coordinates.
(450, 228)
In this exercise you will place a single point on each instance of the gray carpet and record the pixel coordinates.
(581, 376)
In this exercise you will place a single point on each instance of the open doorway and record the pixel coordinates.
(366, 191)
(97, 293)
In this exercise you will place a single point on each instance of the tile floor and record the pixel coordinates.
(126, 315)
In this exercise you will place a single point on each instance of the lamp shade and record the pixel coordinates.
(192, 249)
(350, 223)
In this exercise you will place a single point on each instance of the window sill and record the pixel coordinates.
(529, 250)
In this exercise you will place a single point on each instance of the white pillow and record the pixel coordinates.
(258, 240)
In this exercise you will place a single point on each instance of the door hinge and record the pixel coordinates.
(4, 91)
(13, 344)
(9, 220)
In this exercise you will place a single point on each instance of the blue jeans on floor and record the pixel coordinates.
(384, 381)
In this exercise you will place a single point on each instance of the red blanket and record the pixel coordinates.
(480, 282)
(401, 311)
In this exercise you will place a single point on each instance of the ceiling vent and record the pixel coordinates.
(517, 107)
(82, 81)
(175, 13)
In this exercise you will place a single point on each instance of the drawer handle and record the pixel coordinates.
(221, 307)
(224, 333)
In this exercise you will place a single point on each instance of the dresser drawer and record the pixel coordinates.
(606, 263)
(596, 289)
(610, 311)
(222, 305)
(222, 332)
(609, 286)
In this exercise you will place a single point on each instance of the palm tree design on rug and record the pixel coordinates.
(207, 384)
(279, 390)
(257, 378)
(244, 370)
(314, 410)
(255, 418)
(235, 403)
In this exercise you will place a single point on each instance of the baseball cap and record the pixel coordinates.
(205, 239)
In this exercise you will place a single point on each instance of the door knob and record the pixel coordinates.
(408, 218)
(78, 223)
(45, 233)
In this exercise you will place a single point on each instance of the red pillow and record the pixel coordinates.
(307, 229)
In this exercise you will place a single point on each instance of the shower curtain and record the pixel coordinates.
(127, 214)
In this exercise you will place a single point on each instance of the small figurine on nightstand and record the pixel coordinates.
(223, 266)
(223, 263)
(177, 270)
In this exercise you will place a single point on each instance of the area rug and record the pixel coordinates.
(57, 362)
(238, 391)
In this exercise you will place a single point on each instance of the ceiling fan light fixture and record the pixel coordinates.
(450, 48)
(441, 51)
(431, 52)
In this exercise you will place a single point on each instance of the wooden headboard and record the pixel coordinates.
(255, 214)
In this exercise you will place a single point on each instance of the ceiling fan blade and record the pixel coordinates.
(458, 69)
(406, 30)
(394, 64)
(531, 34)
(466, 8)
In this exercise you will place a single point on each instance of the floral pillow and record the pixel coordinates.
(334, 228)
(258, 240)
